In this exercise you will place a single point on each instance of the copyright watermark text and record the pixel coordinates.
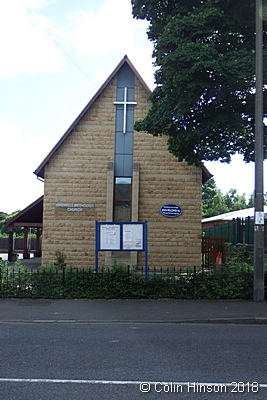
(196, 387)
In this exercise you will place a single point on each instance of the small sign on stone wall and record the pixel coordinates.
(75, 207)
(171, 210)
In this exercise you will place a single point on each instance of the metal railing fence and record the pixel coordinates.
(124, 283)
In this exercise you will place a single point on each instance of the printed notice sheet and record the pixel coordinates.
(110, 237)
(132, 237)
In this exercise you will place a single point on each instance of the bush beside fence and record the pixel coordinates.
(121, 283)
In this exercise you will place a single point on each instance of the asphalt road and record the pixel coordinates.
(109, 360)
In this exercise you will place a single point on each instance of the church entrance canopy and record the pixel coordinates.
(30, 217)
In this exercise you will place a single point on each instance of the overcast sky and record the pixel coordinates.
(55, 54)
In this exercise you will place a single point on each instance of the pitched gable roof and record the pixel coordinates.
(31, 216)
(40, 170)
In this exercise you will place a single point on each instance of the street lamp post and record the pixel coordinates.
(258, 286)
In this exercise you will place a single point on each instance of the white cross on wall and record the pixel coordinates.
(125, 103)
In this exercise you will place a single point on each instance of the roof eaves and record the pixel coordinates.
(206, 175)
(22, 212)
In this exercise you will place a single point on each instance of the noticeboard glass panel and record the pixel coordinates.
(110, 237)
(133, 237)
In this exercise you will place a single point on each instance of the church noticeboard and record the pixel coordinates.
(121, 236)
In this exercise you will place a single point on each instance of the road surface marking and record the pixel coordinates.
(110, 382)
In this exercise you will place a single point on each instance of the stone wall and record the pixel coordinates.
(77, 173)
(173, 242)
(80, 173)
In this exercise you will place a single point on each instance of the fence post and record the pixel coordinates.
(234, 231)
(195, 275)
(63, 275)
(247, 221)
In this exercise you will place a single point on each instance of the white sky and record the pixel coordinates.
(43, 90)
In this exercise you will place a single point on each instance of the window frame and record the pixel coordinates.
(115, 200)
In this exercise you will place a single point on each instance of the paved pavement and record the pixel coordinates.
(133, 311)
(128, 311)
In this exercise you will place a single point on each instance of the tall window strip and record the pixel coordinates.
(124, 122)
(124, 144)
(122, 199)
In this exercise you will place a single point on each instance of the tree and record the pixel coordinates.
(209, 191)
(218, 205)
(215, 203)
(204, 98)
(234, 201)
(251, 200)
(4, 229)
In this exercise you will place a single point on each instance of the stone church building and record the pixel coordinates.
(102, 170)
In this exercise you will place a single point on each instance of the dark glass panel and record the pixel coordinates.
(123, 189)
(122, 211)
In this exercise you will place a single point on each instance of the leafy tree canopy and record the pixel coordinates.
(4, 229)
(204, 98)
(216, 203)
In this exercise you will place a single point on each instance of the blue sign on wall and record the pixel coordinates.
(171, 210)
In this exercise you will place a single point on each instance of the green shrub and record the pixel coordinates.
(120, 283)
(238, 257)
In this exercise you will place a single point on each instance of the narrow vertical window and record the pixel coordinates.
(122, 200)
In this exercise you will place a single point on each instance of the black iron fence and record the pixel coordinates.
(124, 283)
